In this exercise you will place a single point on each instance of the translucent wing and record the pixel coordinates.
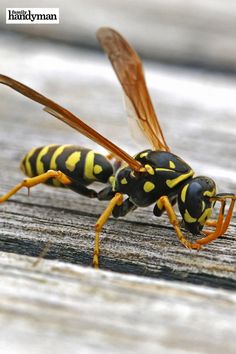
(135, 126)
(70, 119)
(128, 68)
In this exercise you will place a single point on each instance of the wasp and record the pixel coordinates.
(155, 176)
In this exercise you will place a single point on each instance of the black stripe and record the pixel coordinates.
(46, 159)
(33, 159)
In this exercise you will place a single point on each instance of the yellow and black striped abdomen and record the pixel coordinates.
(80, 164)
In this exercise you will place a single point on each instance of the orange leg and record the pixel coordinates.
(31, 182)
(175, 223)
(116, 200)
(221, 224)
(228, 216)
(211, 223)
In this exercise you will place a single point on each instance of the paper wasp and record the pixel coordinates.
(154, 176)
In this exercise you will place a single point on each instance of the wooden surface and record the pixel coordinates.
(77, 309)
(193, 32)
(71, 309)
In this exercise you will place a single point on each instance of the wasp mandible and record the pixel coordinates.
(152, 177)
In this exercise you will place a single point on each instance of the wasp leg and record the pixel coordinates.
(159, 209)
(211, 223)
(31, 182)
(228, 216)
(83, 190)
(116, 200)
(106, 193)
(165, 203)
(123, 209)
(221, 224)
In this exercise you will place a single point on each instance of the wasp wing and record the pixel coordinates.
(128, 68)
(135, 126)
(70, 119)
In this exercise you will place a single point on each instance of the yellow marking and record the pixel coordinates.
(171, 183)
(112, 180)
(72, 160)
(88, 166)
(143, 154)
(159, 204)
(124, 181)
(183, 193)
(206, 215)
(28, 168)
(97, 169)
(210, 193)
(57, 152)
(203, 205)
(39, 163)
(149, 169)
(188, 218)
(148, 187)
(172, 164)
(163, 169)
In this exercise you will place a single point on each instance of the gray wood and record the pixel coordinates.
(196, 32)
(70, 309)
(73, 309)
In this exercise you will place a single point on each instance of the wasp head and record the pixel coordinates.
(195, 205)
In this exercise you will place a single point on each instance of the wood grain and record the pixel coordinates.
(137, 244)
(74, 309)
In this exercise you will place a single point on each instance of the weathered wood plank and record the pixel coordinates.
(138, 244)
(73, 309)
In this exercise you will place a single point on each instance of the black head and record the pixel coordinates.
(194, 200)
